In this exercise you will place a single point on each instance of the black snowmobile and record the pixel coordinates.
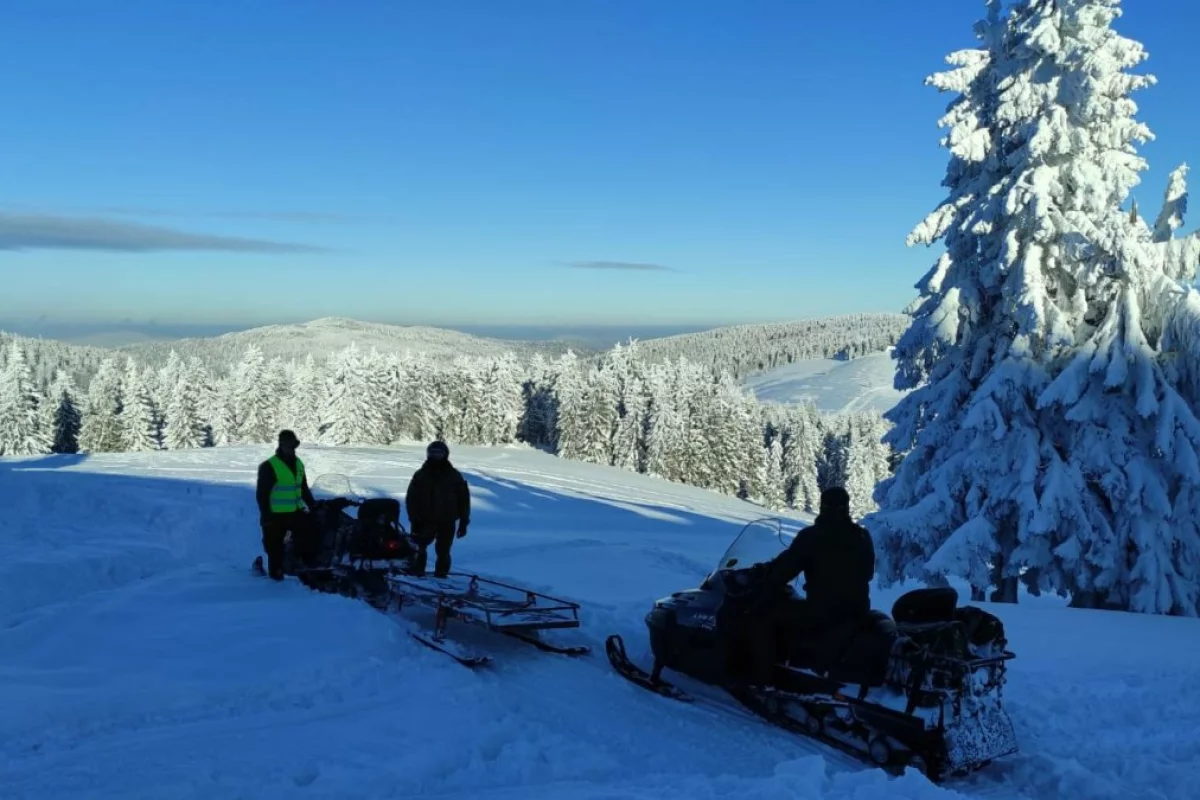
(921, 688)
(366, 553)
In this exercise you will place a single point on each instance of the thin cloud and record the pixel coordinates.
(52, 232)
(629, 266)
(307, 217)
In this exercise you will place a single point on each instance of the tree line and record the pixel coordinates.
(675, 419)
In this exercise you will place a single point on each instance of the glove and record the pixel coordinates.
(462, 530)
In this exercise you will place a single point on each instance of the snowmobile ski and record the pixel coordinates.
(548, 647)
(614, 648)
(451, 648)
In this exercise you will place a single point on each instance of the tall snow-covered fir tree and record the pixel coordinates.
(353, 411)
(100, 431)
(184, 429)
(802, 438)
(304, 399)
(66, 416)
(22, 425)
(774, 485)
(1043, 441)
(250, 406)
(139, 419)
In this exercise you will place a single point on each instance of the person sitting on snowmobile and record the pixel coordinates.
(282, 485)
(837, 557)
(437, 497)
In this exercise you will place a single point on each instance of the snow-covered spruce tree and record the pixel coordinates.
(353, 414)
(866, 461)
(502, 399)
(139, 418)
(419, 400)
(100, 431)
(1043, 439)
(802, 442)
(570, 400)
(184, 429)
(305, 397)
(250, 409)
(774, 489)
(833, 456)
(66, 417)
(22, 432)
(537, 422)
(666, 445)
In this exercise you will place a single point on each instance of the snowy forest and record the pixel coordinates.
(675, 420)
(1051, 436)
(743, 350)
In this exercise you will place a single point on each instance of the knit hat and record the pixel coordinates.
(835, 498)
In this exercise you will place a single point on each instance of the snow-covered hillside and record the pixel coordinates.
(324, 337)
(743, 350)
(140, 658)
(834, 386)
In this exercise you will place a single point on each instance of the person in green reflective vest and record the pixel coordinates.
(283, 496)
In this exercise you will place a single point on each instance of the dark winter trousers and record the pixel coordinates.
(275, 528)
(775, 631)
(441, 535)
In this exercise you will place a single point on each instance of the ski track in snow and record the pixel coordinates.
(140, 657)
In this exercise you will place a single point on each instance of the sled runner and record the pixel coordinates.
(920, 688)
(368, 555)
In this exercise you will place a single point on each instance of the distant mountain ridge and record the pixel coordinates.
(741, 350)
(327, 335)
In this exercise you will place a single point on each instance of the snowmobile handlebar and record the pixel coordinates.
(337, 502)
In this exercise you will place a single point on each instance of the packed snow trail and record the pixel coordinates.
(139, 656)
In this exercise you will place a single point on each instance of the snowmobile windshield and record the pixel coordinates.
(334, 484)
(758, 543)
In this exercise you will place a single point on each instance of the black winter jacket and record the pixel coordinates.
(437, 496)
(837, 558)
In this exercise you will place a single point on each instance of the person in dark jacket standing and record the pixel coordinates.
(837, 558)
(282, 495)
(438, 497)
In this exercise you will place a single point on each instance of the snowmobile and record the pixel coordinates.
(364, 552)
(921, 688)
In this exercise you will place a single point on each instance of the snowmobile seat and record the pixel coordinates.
(867, 647)
(379, 512)
(921, 606)
(377, 534)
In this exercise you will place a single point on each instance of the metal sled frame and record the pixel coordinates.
(500, 607)
(526, 611)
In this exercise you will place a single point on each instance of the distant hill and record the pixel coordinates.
(323, 337)
(745, 350)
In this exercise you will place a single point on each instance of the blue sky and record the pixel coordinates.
(490, 162)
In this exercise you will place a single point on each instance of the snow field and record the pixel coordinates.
(139, 657)
(833, 386)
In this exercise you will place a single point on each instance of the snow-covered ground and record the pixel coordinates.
(833, 386)
(140, 658)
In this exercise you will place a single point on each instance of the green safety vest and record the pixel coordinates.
(285, 496)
